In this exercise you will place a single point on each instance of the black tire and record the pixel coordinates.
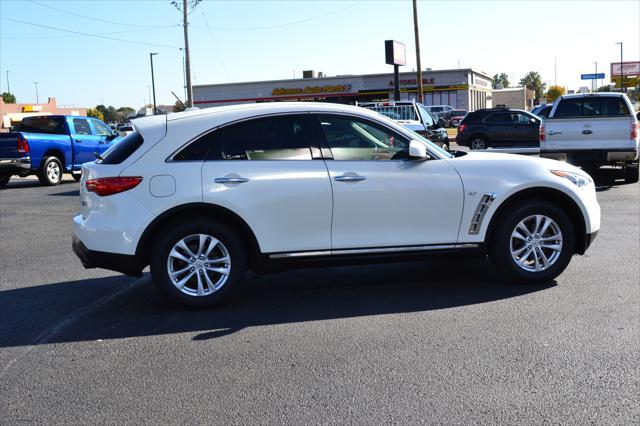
(500, 242)
(631, 174)
(4, 180)
(76, 176)
(47, 174)
(478, 143)
(159, 263)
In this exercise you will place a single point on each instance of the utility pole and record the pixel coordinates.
(555, 71)
(621, 74)
(35, 83)
(595, 89)
(186, 50)
(8, 87)
(153, 83)
(418, 64)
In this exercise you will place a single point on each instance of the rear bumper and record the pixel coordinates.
(15, 165)
(592, 156)
(123, 263)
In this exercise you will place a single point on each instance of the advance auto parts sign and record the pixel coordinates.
(311, 90)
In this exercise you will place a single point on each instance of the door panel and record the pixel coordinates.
(85, 143)
(398, 203)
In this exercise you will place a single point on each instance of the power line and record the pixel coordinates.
(301, 21)
(224, 68)
(90, 35)
(82, 35)
(90, 17)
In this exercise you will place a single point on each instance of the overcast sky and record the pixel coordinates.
(233, 41)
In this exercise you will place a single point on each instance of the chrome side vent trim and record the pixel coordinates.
(481, 210)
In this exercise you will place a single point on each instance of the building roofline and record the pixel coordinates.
(340, 76)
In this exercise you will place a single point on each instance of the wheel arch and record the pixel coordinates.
(53, 152)
(199, 210)
(552, 195)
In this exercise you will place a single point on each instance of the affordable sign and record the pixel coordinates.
(311, 90)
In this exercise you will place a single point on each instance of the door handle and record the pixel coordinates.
(349, 178)
(78, 141)
(551, 133)
(230, 180)
(587, 132)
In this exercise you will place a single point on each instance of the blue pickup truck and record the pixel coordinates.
(50, 145)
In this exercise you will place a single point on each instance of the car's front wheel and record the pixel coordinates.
(533, 242)
(199, 263)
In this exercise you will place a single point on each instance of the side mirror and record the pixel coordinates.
(440, 123)
(417, 150)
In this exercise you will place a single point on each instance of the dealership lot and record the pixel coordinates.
(435, 341)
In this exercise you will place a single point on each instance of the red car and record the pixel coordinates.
(453, 118)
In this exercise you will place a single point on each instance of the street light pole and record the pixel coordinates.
(153, 83)
(418, 64)
(184, 75)
(621, 75)
(595, 89)
(37, 99)
(8, 87)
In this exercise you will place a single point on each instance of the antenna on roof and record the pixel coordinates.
(181, 103)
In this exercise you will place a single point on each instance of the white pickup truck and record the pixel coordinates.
(592, 130)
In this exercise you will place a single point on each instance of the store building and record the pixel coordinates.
(12, 114)
(460, 88)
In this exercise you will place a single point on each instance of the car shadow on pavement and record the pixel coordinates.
(291, 297)
(18, 183)
(74, 193)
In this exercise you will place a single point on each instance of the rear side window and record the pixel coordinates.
(50, 125)
(122, 150)
(499, 117)
(197, 150)
(286, 137)
(592, 107)
(81, 126)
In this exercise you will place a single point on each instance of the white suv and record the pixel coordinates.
(203, 196)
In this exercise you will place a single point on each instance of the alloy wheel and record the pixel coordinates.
(478, 143)
(536, 243)
(199, 265)
(53, 171)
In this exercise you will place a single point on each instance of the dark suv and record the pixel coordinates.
(499, 127)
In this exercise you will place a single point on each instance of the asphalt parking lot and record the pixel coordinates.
(428, 342)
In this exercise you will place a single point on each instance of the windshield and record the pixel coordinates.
(457, 113)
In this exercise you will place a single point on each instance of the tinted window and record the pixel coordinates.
(197, 150)
(81, 126)
(122, 149)
(284, 137)
(355, 139)
(499, 117)
(592, 107)
(101, 129)
(51, 125)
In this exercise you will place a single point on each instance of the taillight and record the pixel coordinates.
(634, 130)
(542, 133)
(461, 127)
(23, 145)
(112, 185)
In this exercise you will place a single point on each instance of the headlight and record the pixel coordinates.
(578, 180)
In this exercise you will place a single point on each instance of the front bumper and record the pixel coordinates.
(15, 165)
(589, 240)
(126, 264)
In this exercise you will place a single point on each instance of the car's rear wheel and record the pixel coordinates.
(631, 173)
(533, 243)
(198, 264)
(4, 179)
(51, 171)
(478, 142)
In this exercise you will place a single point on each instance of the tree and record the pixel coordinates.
(178, 106)
(123, 112)
(605, 88)
(8, 98)
(95, 113)
(634, 94)
(554, 93)
(533, 81)
(500, 81)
